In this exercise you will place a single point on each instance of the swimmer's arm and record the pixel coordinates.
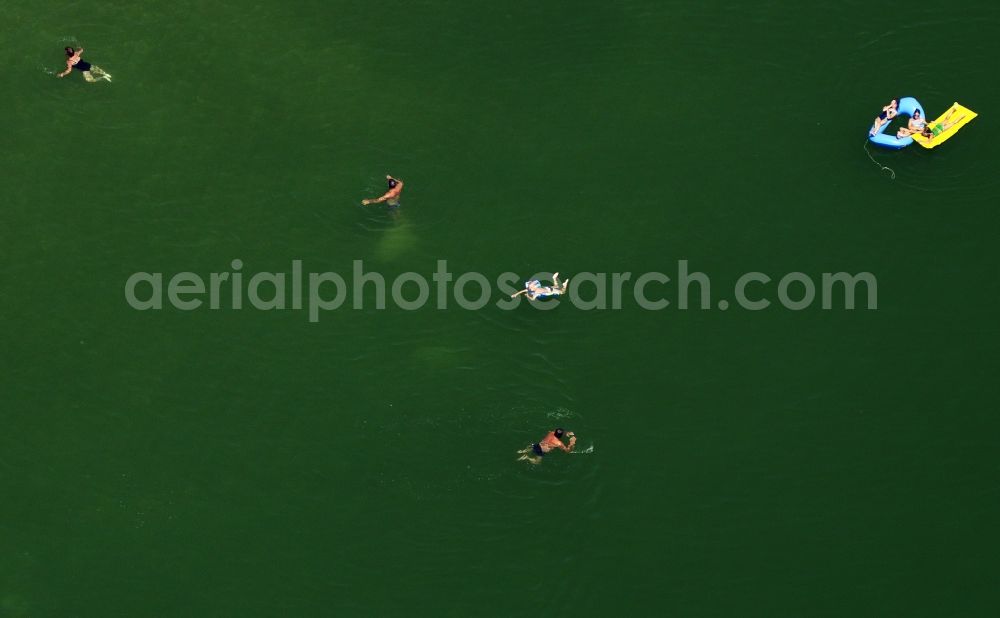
(395, 190)
(377, 200)
(66, 72)
(516, 294)
(572, 443)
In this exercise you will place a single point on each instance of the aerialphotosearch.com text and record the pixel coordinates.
(320, 292)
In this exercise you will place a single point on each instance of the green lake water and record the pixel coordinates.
(733, 463)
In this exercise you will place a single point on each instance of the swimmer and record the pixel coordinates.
(535, 290)
(889, 112)
(90, 72)
(915, 125)
(552, 440)
(391, 196)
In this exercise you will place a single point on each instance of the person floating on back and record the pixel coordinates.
(551, 441)
(940, 127)
(535, 290)
(391, 196)
(90, 72)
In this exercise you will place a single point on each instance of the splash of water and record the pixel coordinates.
(560, 413)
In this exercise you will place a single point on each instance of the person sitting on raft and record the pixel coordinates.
(391, 196)
(940, 127)
(552, 440)
(535, 290)
(915, 125)
(90, 72)
(889, 112)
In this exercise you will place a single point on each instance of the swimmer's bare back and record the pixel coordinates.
(391, 196)
(91, 73)
(71, 61)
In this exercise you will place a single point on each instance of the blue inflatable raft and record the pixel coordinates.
(907, 105)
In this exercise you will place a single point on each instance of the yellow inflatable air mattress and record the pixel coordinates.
(946, 125)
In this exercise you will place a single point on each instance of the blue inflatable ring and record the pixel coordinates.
(907, 105)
